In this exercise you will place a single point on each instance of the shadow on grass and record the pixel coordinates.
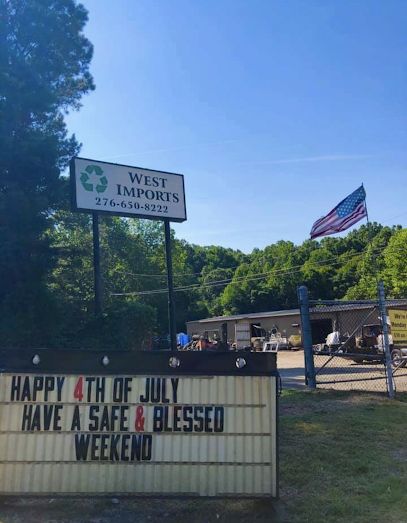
(127, 509)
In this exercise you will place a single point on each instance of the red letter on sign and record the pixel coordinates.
(78, 392)
(139, 421)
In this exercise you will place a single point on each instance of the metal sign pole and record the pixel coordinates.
(122, 190)
(387, 355)
(171, 308)
(306, 334)
(96, 264)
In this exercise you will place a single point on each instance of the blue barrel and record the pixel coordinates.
(182, 339)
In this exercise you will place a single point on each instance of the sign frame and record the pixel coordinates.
(35, 379)
(76, 208)
(98, 292)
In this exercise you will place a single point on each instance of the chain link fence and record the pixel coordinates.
(348, 342)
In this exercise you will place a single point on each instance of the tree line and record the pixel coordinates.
(46, 271)
(209, 280)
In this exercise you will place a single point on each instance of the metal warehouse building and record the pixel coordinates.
(287, 322)
(347, 317)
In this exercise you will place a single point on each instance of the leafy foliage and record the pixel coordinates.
(395, 264)
(44, 71)
(46, 272)
(216, 281)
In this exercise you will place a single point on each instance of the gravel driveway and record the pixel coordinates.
(338, 373)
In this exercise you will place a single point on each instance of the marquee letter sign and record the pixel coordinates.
(136, 425)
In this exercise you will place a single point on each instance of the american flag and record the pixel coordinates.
(349, 211)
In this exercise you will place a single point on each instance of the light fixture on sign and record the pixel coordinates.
(36, 359)
(174, 362)
(240, 363)
(105, 361)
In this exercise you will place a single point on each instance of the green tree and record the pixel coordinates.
(395, 265)
(370, 265)
(217, 266)
(126, 322)
(267, 282)
(44, 71)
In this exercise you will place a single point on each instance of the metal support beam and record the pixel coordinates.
(306, 337)
(387, 355)
(171, 306)
(96, 264)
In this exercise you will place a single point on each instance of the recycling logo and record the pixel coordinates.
(93, 178)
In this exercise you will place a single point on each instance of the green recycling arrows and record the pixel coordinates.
(101, 181)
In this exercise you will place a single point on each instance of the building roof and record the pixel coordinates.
(338, 306)
(252, 315)
(316, 307)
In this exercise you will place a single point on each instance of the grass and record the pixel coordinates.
(343, 457)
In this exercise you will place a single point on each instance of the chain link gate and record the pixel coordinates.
(346, 343)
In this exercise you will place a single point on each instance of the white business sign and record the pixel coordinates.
(127, 191)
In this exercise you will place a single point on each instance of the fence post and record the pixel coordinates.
(306, 337)
(387, 355)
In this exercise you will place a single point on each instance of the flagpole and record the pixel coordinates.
(369, 227)
(367, 213)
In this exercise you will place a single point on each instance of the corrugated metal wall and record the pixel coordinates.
(239, 460)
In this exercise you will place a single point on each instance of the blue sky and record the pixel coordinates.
(273, 110)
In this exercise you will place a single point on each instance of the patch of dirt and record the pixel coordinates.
(400, 455)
